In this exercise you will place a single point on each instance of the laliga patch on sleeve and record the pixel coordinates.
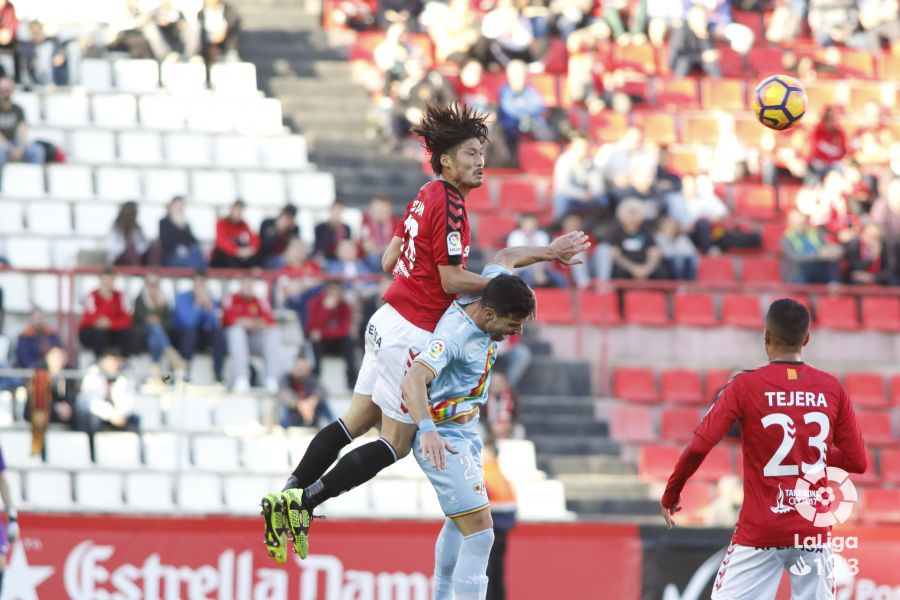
(454, 243)
(435, 349)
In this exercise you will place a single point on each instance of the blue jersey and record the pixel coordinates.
(461, 356)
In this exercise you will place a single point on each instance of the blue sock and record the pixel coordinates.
(446, 552)
(470, 579)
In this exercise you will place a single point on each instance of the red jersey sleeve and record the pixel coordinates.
(848, 451)
(446, 222)
(89, 316)
(229, 311)
(265, 311)
(224, 241)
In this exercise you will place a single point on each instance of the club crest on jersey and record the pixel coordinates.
(454, 243)
(435, 349)
(479, 488)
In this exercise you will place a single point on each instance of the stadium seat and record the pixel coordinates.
(538, 157)
(658, 127)
(115, 111)
(243, 493)
(700, 128)
(49, 490)
(15, 291)
(136, 76)
(787, 197)
(200, 493)
(187, 150)
(646, 308)
(541, 500)
(519, 196)
(607, 126)
(681, 385)
(163, 184)
(236, 412)
(262, 188)
(676, 92)
(233, 79)
(599, 308)
(635, 384)
(694, 310)
(820, 95)
(314, 190)
(149, 492)
(723, 94)
(48, 218)
(28, 252)
(17, 445)
(872, 475)
(214, 187)
(14, 481)
(880, 505)
(21, 180)
(714, 381)
(865, 389)
(837, 313)
(203, 222)
(657, 462)
(895, 390)
(554, 306)
(760, 270)
(68, 449)
(140, 148)
(881, 313)
(394, 497)
(161, 451)
(890, 464)
(265, 453)
(234, 151)
(635, 57)
(93, 220)
(183, 77)
(162, 112)
(772, 234)
(260, 116)
(96, 74)
(217, 453)
(876, 427)
(212, 114)
(13, 216)
(493, 230)
(100, 491)
(518, 460)
(755, 201)
(49, 289)
(716, 269)
(118, 183)
(285, 152)
(355, 503)
(717, 464)
(678, 424)
(632, 424)
(117, 450)
(66, 110)
(479, 199)
(70, 182)
(30, 103)
(147, 407)
(93, 146)
(685, 160)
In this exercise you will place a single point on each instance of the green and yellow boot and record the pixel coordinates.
(273, 516)
(297, 519)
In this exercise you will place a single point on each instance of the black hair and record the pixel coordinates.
(443, 128)
(787, 323)
(289, 210)
(509, 296)
(201, 272)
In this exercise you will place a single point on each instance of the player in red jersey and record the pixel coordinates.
(795, 420)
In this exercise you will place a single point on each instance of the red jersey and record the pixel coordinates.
(332, 323)
(793, 418)
(113, 308)
(231, 236)
(828, 146)
(236, 306)
(435, 232)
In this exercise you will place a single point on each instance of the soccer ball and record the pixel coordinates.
(779, 102)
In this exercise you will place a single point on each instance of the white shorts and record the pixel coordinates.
(755, 573)
(392, 344)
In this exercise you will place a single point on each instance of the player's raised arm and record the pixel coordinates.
(415, 396)
(456, 280)
(391, 254)
(563, 250)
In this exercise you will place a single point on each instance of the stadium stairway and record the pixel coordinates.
(296, 63)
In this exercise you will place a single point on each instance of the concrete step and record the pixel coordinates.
(601, 464)
(603, 487)
(564, 424)
(283, 17)
(558, 378)
(548, 406)
(288, 87)
(611, 509)
(568, 444)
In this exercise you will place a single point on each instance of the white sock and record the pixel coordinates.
(446, 551)
(470, 579)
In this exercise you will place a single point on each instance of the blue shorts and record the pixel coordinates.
(460, 485)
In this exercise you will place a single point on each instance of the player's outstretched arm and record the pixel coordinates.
(415, 396)
(563, 250)
(391, 254)
(456, 280)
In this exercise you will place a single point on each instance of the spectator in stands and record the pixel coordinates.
(828, 147)
(783, 157)
(730, 155)
(615, 160)
(236, 244)
(507, 35)
(691, 46)
(500, 407)
(35, 340)
(577, 274)
(355, 14)
(697, 210)
(330, 232)
(473, 91)
(578, 182)
(303, 398)
(398, 11)
(678, 251)
(166, 31)
(300, 278)
(125, 32)
(126, 244)
(886, 212)
(106, 320)
(642, 186)
(43, 58)
(539, 274)
(14, 145)
(827, 205)
(633, 245)
(196, 323)
(832, 21)
(453, 27)
(415, 92)
(9, 30)
(627, 21)
(868, 261)
(153, 326)
(521, 108)
(51, 391)
(348, 266)
(220, 30)
(786, 22)
(275, 233)
(807, 257)
(329, 325)
(106, 398)
(178, 246)
(879, 22)
(250, 327)
(377, 231)
(391, 55)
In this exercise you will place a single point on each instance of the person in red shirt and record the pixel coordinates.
(236, 244)
(250, 327)
(106, 321)
(796, 421)
(828, 146)
(328, 327)
(377, 231)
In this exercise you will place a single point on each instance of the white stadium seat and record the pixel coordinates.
(313, 190)
(149, 492)
(187, 150)
(16, 299)
(203, 222)
(70, 182)
(149, 216)
(230, 411)
(67, 249)
(217, 453)
(518, 460)
(161, 112)
(66, 110)
(140, 148)
(28, 252)
(212, 114)
(235, 79)
(163, 184)
(190, 414)
(200, 493)
(118, 183)
(117, 450)
(92, 220)
(235, 151)
(17, 444)
(50, 490)
(68, 449)
(161, 451)
(541, 500)
(264, 454)
(261, 188)
(285, 152)
(48, 218)
(12, 212)
(147, 407)
(213, 187)
(117, 111)
(183, 77)
(93, 146)
(298, 440)
(355, 503)
(96, 74)
(261, 116)
(100, 491)
(137, 76)
(21, 180)
(30, 103)
(244, 492)
(429, 506)
(395, 497)
(54, 135)
(45, 289)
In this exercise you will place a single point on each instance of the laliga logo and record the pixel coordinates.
(839, 511)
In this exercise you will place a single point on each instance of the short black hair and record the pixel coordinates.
(509, 296)
(289, 210)
(787, 323)
(443, 128)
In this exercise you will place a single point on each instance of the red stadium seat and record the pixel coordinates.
(718, 464)
(607, 126)
(858, 62)
(872, 475)
(658, 127)
(889, 66)
(646, 308)
(678, 424)
(865, 389)
(862, 94)
(635, 384)
(881, 313)
(632, 424)
(748, 131)
(479, 199)
(681, 385)
(755, 201)
(545, 84)
(787, 197)
(837, 313)
(772, 234)
(494, 229)
(763, 59)
(700, 128)
(890, 464)
(696, 496)
(895, 390)
(599, 308)
(635, 57)
(760, 270)
(715, 381)
(723, 94)
(716, 269)
(694, 310)
(676, 92)
(742, 311)
(876, 427)
(657, 462)
(538, 157)
(880, 505)
(684, 160)
(554, 306)
(519, 196)
(820, 95)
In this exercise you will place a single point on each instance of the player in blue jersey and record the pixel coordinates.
(443, 392)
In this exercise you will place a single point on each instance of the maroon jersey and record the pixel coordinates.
(793, 419)
(435, 231)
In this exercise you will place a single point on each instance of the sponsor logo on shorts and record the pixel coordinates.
(480, 489)
(436, 349)
(454, 244)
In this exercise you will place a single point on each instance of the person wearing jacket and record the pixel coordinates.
(106, 398)
(177, 242)
(152, 325)
(236, 244)
(35, 340)
(328, 327)
(106, 321)
(196, 324)
(250, 327)
(275, 233)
